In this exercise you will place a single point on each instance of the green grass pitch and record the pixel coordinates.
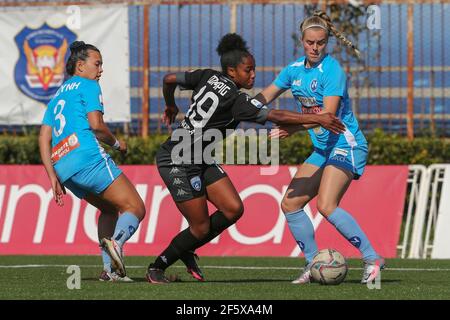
(236, 278)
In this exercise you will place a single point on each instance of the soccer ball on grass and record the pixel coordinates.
(329, 267)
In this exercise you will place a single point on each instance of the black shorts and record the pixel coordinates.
(186, 181)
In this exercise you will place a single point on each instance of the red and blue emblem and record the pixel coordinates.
(39, 72)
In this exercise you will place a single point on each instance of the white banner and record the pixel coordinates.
(441, 245)
(34, 47)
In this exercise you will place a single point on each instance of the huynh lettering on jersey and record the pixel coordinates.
(67, 87)
(219, 86)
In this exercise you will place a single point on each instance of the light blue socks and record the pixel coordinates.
(302, 230)
(126, 226)
(350, 229)
(106, 261)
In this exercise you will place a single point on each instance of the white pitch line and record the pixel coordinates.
(203, 267)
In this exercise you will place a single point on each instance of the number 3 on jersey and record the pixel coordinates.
(196, 108)
(60, 117)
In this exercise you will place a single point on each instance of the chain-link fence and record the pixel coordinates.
(402, 80)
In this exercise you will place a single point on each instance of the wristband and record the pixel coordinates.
(116, 145)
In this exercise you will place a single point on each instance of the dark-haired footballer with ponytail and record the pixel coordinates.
(217, 103)
(73, 158)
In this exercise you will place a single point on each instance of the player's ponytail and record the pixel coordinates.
(78, 51)
(232, 49)
(321, 20)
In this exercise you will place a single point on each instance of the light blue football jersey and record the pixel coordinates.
(74, 145)
(309, 86)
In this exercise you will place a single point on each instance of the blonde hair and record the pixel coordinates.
(320, 20)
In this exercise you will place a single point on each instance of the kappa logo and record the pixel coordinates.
(174, 170)
(39, 72)
(177, 181)
(301, 245)
(181, 192)
(196, 183)
(297, 82)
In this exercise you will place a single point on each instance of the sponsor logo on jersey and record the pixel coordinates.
(39, 72)
(311, 110)
(64, 147)
(307, 101)
(297, 82)
(196, 183)
(313, 85)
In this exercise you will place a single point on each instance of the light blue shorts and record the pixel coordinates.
(345, 157)
(93, 179)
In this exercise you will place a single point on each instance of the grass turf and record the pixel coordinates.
(227, 278)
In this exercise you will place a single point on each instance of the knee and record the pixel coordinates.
(137, 207)
(200, 229)
(288, 206)
(325, 207)
(234, 211)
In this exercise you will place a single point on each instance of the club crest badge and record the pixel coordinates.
(196, 183)
(313, 85)
(39, 72)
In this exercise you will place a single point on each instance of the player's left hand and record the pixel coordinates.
(58, 192)
(282, 131)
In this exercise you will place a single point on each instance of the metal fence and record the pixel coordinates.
(402, 84)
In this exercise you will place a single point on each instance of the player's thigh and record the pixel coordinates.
(334, 183)
(225, 198)
(303, 187)
(124, 196)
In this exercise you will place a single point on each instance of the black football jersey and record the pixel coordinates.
(216, 103)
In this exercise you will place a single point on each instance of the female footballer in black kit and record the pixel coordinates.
(217, 103)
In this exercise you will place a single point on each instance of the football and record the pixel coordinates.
(328, 267)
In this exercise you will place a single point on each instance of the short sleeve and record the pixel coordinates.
(92, 96)
(48, 119)
(283, 80)
(334, 82)
(246, 108)
(190, 79)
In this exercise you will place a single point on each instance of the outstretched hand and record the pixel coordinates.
(169, 115)
(332, 123)
(282, 131)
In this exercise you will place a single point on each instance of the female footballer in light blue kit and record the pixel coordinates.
(74, 159)
(319, 84)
